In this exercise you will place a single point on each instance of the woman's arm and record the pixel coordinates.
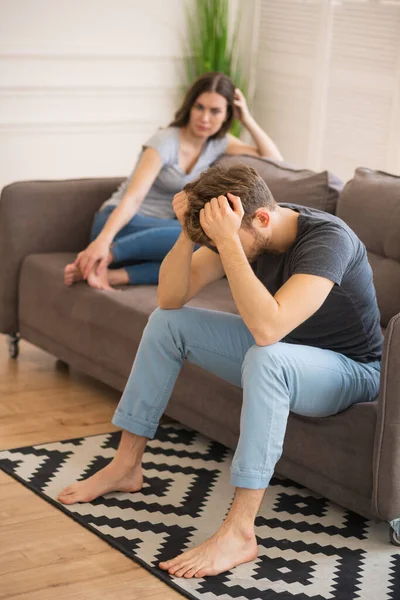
(98, 251)
(145, 173)
(264, 146)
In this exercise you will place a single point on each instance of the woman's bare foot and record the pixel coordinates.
(72, 274)
(228, 547)
(107, 278)
(110, 479)
(99, 281)
(118, 277)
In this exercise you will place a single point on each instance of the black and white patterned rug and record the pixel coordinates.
(309, 548)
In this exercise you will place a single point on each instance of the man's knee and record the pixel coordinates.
(162, 319)
(161, 315)
(265, 358)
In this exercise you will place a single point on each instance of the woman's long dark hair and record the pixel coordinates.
(208, 82)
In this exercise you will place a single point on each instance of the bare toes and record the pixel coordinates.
(170, 564)
(174, 568)
(191, 572)
(201, 573)
(184, 568)
(68, 496)
(66, 491)
(69, 499)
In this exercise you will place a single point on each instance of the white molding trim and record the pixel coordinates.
(85, 90)
(43, 54)
(78, 127)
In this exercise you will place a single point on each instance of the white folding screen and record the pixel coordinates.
(327, 82)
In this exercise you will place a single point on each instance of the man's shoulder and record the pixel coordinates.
(317, 223)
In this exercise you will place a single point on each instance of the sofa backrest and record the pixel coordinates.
(292, 184)
(370, 205)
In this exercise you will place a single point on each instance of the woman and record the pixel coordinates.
(137, 227)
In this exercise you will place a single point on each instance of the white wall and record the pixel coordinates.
(84, 82)
(328, 82)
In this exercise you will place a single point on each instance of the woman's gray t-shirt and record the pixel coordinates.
(171, 178)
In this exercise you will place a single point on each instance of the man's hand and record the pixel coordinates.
(180, 205)
(219, 221)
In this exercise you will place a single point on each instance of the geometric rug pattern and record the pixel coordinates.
(309, 548)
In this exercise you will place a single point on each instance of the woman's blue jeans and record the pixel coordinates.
(140, 246)
(275, 379)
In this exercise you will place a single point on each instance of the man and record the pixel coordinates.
(307, 339)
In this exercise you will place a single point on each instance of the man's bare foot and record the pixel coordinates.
(109, 479)
(72, 274)
(226, 549)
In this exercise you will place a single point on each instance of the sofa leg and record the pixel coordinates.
(394, 532)
(13, 344)
(61, 365)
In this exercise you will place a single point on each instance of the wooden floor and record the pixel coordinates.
(45, 555)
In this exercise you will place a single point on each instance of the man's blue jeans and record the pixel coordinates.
(140, 246)
(275, 379)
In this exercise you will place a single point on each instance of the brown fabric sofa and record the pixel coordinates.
(352, 458)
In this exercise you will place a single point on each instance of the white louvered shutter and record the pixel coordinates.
(327, 82)
(363, 99)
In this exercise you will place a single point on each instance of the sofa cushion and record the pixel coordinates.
(294, 184)
(370, 205)
(103, 326)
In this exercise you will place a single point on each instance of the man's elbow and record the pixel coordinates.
(169, 304)
(265, 338)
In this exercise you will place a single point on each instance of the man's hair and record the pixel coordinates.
(240, 180)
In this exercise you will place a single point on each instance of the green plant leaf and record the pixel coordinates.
(210, 44)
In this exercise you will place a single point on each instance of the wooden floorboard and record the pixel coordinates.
(45, 555)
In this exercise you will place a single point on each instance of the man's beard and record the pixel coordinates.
(260, 246)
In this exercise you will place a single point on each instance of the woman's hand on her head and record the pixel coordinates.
(240, 108)
(180, 205)
(97, 253)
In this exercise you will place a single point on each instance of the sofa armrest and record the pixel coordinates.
(386, 492)
(43, 216)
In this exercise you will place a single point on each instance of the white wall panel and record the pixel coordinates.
(84, 83)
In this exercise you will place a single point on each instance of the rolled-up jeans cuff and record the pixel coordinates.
(136, 426)
(250, 481)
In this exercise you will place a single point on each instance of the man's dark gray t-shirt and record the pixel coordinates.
(348, 321)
